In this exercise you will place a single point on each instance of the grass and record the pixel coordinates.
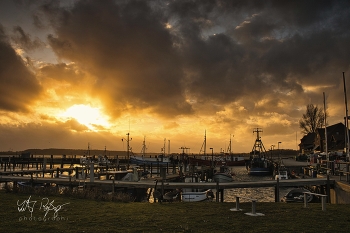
(82, 215)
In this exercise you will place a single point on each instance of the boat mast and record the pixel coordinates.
(89, 149)
(325, 130)
(168, 147)
(258, 143)
(128, 148)
(204, 143)
(229, 149)
(164, 146)
(143, 150)
(347, 143)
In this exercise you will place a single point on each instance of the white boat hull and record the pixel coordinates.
(195, 196)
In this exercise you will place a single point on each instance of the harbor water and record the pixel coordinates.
(262, 194)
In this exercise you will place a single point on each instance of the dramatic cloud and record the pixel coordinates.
(19, 87)
(179, 67)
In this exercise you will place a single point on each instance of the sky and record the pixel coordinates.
(79, 73)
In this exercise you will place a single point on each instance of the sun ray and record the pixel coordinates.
(86, 115)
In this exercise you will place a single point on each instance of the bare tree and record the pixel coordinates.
(312, 119)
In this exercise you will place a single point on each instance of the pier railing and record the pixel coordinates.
(323, 199)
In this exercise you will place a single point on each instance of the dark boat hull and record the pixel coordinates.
(204, 162)
(259, 171)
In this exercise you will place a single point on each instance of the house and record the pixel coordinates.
(307, 143)
(336, 138)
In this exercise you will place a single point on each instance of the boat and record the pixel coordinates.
(195, 195)
(224, 175)
(173, 195)
(281, 173)
(218, 160)
(297, 195)
(228, 160)
(156, 160)
(259, 164)
(144, 160)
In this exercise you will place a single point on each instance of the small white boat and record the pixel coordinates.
(189, 196)
(194, 195)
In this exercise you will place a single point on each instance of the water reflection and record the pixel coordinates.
(262, 194)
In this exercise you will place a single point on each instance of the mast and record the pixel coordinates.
(168, 147)
(143, 150)
(89, 149)
(128, 148)
(204, 145)
(325, 130)
(258, 143)
(229, 149)
(164, 146)
(347, 143)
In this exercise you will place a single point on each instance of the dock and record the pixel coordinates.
(166, 178)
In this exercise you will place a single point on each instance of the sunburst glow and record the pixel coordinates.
(86, 115)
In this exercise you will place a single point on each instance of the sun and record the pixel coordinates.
(86, 115)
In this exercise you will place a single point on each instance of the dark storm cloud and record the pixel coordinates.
(18, 86)
(275, 42)
(25, 41)
(259, 47)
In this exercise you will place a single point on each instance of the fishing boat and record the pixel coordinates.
(259, 164)
(195, 195)
(297, 195)
(224, 175)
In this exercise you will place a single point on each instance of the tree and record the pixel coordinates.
(312, 119)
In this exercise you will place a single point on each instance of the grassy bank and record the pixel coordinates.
(82, 215)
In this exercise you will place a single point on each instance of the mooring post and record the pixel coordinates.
(14, 163)
(113, 185)
(323, 199)
(328, 188)
(44, 163)
(237, 203)
(305, 200)
(222, 195)
(277, 190)
(92, 176)
(253, 206)
(217, 191)
(76, 173)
